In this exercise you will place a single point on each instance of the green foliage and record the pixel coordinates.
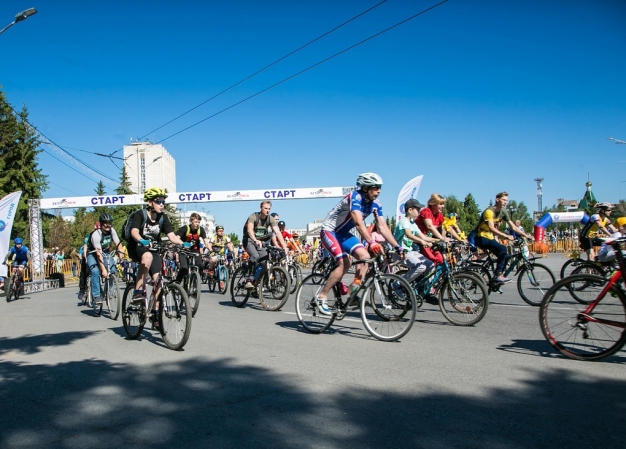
(234, 238)
(391, 223)
(19, 170)
(469, 215)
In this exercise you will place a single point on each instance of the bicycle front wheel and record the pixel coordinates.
(222, 279)
(273, 288)
(463, 299)
(568, 267)
(174, 316)
(195, 291)
(533, 281)
(306, 310)
(133, 316)
(10, 289)
(579, 290)
(239, 295)
(580, 331)
(388, 307)
(113, 297)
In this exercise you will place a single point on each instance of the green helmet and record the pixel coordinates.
(154, 192)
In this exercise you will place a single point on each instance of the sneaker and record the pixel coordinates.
(139, 297)
(322, 306)
(97, 301)
(81, 296)
(249, 285)
(501, 280)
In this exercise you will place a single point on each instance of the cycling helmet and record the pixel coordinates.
(281, 223)
(294, 234)
(604, 206)
(105, 218)
(412, 203)
(154, 192)
(218, 227)
(368, 180)
(17, 241)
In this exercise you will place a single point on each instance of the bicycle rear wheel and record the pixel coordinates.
(238, 293)
(463, 299)
(273, 288)
(569, 266)
(175, 316)
(306, 311)
(388, 307)
(222, 279)
(533, 281)
(195, 291)
(580, 334)
(133, 316)
(578, 289)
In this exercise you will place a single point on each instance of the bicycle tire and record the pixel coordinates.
(133, 316)
(175, 316)
(195, 292)
(306, 310)
(568, 267)
(318, 268)
(212, 282)
(113, 297)
(222, 279)
(388, 307)
(293, 278)
(563, 322)
(273, 288)
(88, 299)
(533, 284)
(18, 288)
(585, 268)
(10, 291)
(463, 300)
(238, 294)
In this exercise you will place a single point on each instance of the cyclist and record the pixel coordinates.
(142, 233)
(259, 228)
(99, 246)
(598, 224)
(488, 224)
(82, 278)
(220, 244)
(21, 254)
(429, 221)
(337, 238)
(291, 238)
(195, 235)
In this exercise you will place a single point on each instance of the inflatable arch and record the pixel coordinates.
(557, 217)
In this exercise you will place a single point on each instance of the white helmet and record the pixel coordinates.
(600, 206)
(368, 180)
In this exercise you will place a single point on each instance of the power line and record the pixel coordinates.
(305, 70)
(263, 69)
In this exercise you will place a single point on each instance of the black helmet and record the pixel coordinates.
(281, 223)
(105, 218)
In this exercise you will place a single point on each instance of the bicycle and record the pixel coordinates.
(220, 275)
(272, 284)
(595, 327)
(109, 290)
(13, 287)
(575, 262)
(174, 310)
(295, 273)
(192, 282)
(533, 279)
(386, 302)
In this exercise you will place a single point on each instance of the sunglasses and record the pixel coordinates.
(161, 202)
(107, 224)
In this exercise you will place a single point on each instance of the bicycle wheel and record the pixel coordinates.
(88, 298)
(306, 311)
(273, 288)
(579, 289)
(133, 316)
(533, 281)
(388, 307)
(479, 270)
(318, 268)
(579, 333)
(113, 296)
(212, 281)
(222, 279)
(195, 291)
(293, 278)
(463, 300)
(569, 266)
(18, 288)
(10, 290)
(238, 293)
(175, 316)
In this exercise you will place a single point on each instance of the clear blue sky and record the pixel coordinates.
(478, 96)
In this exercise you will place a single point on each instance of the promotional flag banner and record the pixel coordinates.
(409, 191)
(8, 209)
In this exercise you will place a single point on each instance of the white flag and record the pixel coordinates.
(409, 191)
(8, 209)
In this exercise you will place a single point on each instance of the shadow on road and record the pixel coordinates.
(200, 403)
(542, 348)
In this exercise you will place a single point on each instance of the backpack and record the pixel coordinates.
(128, 224)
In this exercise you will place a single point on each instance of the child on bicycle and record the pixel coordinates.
(20, 253)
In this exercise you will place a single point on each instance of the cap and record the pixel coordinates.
(412, 203)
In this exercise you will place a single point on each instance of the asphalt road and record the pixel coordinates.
(251, 378)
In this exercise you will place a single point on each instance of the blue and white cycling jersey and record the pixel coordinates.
(339, 220)
(21, 255)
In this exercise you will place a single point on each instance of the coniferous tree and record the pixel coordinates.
(471, 214)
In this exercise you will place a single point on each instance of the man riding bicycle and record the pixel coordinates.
(20, 255)
(142, 234)
(195, 235)
(599, 224)
(490, 220)
(99, 249)
(336, 237)
(220, 244)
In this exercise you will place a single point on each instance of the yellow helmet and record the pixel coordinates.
(154, 192)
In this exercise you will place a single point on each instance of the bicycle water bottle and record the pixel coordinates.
(258, 271)
(343, 288)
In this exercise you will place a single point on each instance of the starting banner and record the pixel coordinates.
(205, 196)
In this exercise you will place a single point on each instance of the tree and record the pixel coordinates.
(391, 223)
(471, 214)
(60, 234)
(121, 213)
(234, 238)
(19, 147)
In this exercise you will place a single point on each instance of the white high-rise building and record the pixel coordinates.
(149, 165)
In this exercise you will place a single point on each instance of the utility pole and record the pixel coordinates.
(539, 182)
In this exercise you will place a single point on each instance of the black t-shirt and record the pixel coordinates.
(150, 230)
(193, 237)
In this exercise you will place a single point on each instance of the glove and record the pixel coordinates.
(399, 249)
(187, 244)
(143, 242)
(376, 247)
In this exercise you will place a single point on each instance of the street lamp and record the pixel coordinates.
(19, 17)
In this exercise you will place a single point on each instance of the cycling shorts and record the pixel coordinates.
(19, 263)
(340, 245)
